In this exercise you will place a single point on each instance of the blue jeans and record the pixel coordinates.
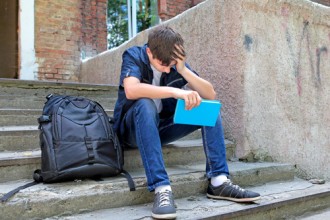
(141, 127)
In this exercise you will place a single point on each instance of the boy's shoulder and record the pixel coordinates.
(137, 52)
(136, 49)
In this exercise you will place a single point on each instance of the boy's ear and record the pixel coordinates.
(149, 52)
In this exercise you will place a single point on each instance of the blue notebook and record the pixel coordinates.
(205, 114)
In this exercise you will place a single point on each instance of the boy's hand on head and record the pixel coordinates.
(181, 58)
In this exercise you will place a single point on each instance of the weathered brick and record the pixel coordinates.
(61, 35)
(170, 8)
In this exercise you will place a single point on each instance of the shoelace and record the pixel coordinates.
(234, 186)
(164, 198)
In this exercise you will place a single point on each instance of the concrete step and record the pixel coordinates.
(22, 101)
(280, 200)
(47, 200)
(26, 137)
(21, 164)
(315, 215)
(21, 117)
(35, 87)
(22, 94)
(18, 117)
(19, 138)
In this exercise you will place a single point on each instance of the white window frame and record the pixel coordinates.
(132, 25)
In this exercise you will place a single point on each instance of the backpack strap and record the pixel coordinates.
(129, 178)
(14, 191)
(37, 179)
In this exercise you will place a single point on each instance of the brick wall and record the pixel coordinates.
(94, 27)
(170, 8)
(65, 31)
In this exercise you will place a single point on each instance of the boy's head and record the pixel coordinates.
(162, 41)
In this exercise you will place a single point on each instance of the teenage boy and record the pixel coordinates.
(152, 78)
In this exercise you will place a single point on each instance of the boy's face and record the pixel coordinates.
(158, 64)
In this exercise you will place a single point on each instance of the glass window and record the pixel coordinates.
(128, 17)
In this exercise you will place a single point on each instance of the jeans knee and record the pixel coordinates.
(146, 107)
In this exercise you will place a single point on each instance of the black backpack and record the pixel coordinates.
(77, 141)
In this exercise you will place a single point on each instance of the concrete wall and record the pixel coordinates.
(287, 83)
(270, 64)
(324, 2)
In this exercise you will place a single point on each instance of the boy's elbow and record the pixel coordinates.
(213, 95)
(130, 94)
(129, 97)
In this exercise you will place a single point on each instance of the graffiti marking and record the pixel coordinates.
(247, 42)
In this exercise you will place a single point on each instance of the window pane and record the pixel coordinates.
(117, 22)
(147, 15)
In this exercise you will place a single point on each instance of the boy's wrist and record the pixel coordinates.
(185, 72)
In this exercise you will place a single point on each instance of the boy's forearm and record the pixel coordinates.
(202, 86)
(143, 90)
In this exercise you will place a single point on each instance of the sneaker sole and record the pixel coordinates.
(164, 216)
(233, 199)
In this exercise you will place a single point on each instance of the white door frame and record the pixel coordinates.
(27, 63)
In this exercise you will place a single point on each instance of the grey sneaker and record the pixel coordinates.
(229, 191)
(163, 207)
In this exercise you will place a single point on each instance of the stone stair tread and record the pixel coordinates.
(28, 110)
(20, 117)
(47, 84)
(8, 155)
(274, 195)
(315, 215)
(9, 158)
(46, 200)
(18, 128)
(19, 164)
(14, 110)
(87, 186)
(20, 94)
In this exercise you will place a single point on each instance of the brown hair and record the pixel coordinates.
(162, 41)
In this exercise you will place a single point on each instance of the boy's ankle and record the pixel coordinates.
(163, 188)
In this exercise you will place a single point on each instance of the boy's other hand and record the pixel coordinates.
(191, 98)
